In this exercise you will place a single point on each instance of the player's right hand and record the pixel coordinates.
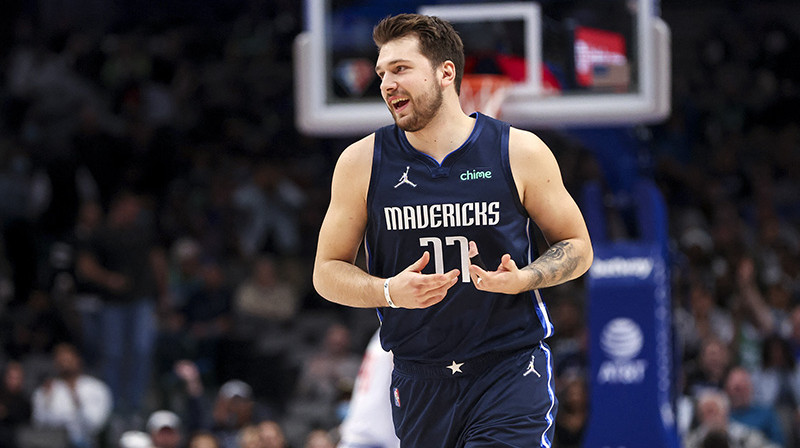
(413, 289)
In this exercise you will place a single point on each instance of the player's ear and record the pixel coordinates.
(448, 70)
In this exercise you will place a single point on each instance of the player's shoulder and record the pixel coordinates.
(358, 155)
(523, 143)
(533, 164)
(354, 167)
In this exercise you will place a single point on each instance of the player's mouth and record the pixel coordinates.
(398, 103)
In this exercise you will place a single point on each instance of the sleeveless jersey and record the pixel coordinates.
(416, 204)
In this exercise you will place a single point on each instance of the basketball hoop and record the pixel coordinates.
(484, 93)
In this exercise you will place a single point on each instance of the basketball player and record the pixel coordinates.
(428, 194)
(368, 423)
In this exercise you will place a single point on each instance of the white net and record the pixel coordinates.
(484, 93)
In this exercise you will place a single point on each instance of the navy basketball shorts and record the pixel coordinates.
(496, 400)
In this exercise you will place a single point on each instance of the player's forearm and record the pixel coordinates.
(563, 261)
(346, 284)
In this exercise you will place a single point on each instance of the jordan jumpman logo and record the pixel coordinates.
(404, 179)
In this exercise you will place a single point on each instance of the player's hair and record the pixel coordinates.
(438, 41)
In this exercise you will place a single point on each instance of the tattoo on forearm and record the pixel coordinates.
(557, 264)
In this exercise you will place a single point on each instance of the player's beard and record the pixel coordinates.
(426, 106)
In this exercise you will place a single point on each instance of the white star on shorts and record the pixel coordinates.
(456, 367)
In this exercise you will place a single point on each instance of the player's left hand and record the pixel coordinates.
(507, 279)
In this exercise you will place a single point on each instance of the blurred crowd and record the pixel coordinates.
(158, 214)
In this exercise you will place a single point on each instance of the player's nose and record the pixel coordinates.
(388, 83)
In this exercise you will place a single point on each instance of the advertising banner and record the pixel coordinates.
(630, 351)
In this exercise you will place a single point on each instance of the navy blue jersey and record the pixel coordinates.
(417, 204)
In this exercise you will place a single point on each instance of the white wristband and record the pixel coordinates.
(386, 293)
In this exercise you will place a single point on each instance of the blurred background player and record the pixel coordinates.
(368, 423)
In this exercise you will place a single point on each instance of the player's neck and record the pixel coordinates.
(448, 130)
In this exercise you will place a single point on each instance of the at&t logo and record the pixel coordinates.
(621, 340)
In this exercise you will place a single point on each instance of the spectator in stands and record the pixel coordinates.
(217, 214)
(203, 439)
(165, 430)
(570, 343)
(753, 315)
(269, 203)
(319, 438)
(135, 439)
(15, 404)
(777, 385)
(713, 410)
(125, 262)
(779, 301)
(184, 282)
(19, 181)
(186, 256)
(328, 373)
(711, 368)
(777, 382)
(573, 413)
(333, 366)
(739, 387)
(267, 434)
(779, 247)
(702, 319)
(249, 437)
(86, 296)
(235, 408)
(265, 298)
(191, 391)
(105, 156)
(72, 400)
(271, 435)
(207, 314)
(34, 329)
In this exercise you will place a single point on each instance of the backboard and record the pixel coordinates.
(572, 62)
